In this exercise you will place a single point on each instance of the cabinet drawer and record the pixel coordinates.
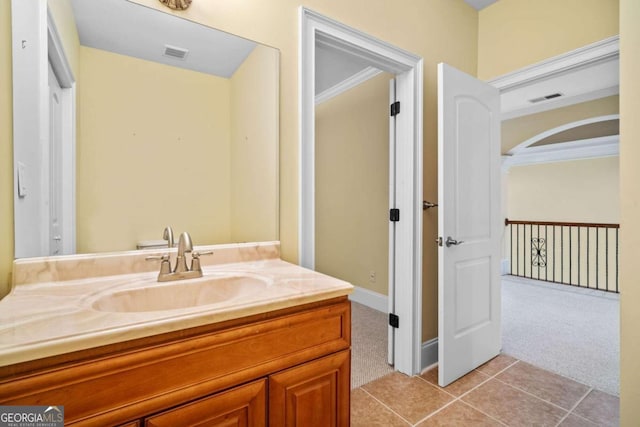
(241, 406)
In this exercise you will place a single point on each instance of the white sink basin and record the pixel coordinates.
(181, 294)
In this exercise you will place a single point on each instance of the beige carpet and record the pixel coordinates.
(368, 345)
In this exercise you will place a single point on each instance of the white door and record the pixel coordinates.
(468, 223)
(53, 183)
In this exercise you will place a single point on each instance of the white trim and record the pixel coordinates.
(505, 267)
(370, 298)
(64, 73)
(30, 118)
(429, 354)
(603, 50)
(348, 83)
(539, 137)
(563, 101)
(409, 74)
(606, 146)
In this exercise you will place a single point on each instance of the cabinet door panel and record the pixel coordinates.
(313, 394)
(240, 407)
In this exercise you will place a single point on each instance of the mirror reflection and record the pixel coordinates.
(176, 125)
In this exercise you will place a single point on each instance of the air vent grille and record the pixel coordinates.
(545, 98)
(175, 52)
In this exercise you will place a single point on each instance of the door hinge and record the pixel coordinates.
(394, 320)
(395, 108)
(394, 215)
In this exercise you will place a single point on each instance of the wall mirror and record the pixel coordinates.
(174, 123)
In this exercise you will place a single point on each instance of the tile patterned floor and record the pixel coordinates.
(502, 392)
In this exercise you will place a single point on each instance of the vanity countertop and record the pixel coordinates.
(51, 309)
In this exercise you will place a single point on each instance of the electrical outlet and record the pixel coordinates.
(372, 276)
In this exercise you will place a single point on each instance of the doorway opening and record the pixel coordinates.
(561, 203)
(405, 275)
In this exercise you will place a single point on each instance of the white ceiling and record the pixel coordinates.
(480, 4)
(580, 85)
(333, 66)
(131, 29)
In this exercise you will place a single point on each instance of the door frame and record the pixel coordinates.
(408, 69)
(35, 43)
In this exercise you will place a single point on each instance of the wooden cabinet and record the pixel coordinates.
(241, 406)
(315, 394)
(296, 361)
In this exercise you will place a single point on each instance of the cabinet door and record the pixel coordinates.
(313, 394)
(242, 406)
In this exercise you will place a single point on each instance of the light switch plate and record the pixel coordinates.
(22, 182)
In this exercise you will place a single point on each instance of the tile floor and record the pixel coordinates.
(502, 392)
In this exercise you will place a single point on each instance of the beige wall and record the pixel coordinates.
(575, 191)
(6, 148)
(516, 33)
(630, 212)
(254, 147)
(352, 185)
(520, 129)
(132, 110)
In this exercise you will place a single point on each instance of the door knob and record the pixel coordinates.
(451, 241)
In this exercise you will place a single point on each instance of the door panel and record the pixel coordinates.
(469, 218)
(53, 183)
(315, 394)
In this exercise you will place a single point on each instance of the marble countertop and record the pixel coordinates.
(55, 308)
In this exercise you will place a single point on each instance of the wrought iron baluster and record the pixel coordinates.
(554, 253)
(597, 258)
(606, 258)
(570, 256)
(546, 259)
(511, 248)
(518, 247)
(530, 251)
(617, 263)
(588, 244)
(562, 254)
(579, 256)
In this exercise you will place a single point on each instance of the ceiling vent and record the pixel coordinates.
(545, 98)
(175, 52)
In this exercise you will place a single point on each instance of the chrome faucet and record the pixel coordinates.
(181, 271)
(167, 235)
(184, 246)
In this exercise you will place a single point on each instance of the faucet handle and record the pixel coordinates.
(165, 264)
(195, 259)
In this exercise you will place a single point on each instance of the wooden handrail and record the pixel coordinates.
(507, 221)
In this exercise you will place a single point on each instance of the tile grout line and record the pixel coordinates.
(482, 412)
(502, 370)
(386, 406)
(459, 398)
(575, 406)
(566, 377)
(532, 395)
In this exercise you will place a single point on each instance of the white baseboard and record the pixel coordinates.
(505, 267)
(371, 299)
(429, 354)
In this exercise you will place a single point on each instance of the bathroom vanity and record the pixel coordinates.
(276, 352)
